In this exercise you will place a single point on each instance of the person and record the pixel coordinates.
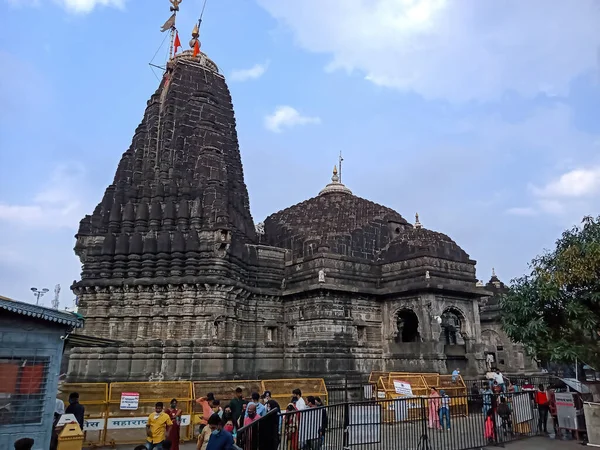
(260, 408)
(59, 410)
(175, 432)
(299, 401)
(219, 438)
(444, 410)
(205, 404)
(236, 404)
(455, 375)
(266, 396)
(203, 438)
(240, 421)
(216, 407)
(251, 414)
(499, 378)
(496, 389)
(290, 427)
(552, 409)
(541, 399)
(503, 411)
(76, 408)
(268, 438)
(157, 428)
(24, 444)
(490, 431)
(487, 396)
(434, 408)
(324, 423)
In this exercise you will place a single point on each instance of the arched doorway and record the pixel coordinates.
(408, 326)
(452, 322)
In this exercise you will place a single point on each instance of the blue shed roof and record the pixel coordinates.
(40, 312)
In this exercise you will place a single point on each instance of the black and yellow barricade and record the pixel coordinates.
(455, 388)
(224, 391)
(374, 379)
(281, 390)
(94, 397)
(130, 404)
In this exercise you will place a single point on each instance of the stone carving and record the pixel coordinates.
(260, 228)
(321, 276)
(489, 361)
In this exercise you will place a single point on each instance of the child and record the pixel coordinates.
(490, 432)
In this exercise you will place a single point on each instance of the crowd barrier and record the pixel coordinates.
(117, 413)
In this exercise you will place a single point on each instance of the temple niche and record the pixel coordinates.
(175, 269)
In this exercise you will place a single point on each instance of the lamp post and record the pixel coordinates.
(38, 293)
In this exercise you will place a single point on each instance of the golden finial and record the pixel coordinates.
(196, 31)
(335, 170)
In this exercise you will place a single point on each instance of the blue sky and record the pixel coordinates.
(482, 116)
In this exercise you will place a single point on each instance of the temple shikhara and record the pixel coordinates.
(177, 271)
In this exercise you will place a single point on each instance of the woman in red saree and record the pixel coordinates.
(291, 425)
(175, 415)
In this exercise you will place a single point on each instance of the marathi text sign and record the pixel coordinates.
(120, 423)
(402, 388)
(130, 401)
(93, 425)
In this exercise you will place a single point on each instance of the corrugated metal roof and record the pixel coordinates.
(40, 312)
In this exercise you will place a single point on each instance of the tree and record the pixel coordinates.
(555, 310)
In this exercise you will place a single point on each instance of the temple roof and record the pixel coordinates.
(40, 312)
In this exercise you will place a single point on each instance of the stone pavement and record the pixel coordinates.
(535, 443)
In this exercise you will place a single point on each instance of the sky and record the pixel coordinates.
(480, 115)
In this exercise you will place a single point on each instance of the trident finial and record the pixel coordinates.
(175, 4)
(417, 223)
(493, 272)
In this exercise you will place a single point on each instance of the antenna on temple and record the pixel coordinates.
(201, 15)
(340, 164)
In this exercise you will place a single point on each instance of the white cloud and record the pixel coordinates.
(254, 72)
(59, 204)
(74, 6)
(287, 117)
(576, 183)
(460, 51)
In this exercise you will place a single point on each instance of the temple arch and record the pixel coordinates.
(408, 326)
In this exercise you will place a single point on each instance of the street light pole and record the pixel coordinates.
(38, 293)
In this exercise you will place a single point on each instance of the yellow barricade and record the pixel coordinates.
(224, 391)
(281, 390)
(94, 398)
(127, 426)
(413, 404)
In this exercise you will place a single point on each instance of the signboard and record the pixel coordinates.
(380, 394)
(364, 426)
(402, 388)
(592, 420)
(65, 419)
(566, 411)
(93, 425)
(130, 401)
(121, 423)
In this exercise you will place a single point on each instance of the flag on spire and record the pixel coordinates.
(177, 43)
(197, 48)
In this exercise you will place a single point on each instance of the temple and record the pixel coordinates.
(175, 269)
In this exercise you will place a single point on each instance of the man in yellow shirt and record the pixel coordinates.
(157, 428)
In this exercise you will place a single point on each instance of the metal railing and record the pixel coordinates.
(417, 423)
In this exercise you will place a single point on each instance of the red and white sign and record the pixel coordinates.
(130, 401)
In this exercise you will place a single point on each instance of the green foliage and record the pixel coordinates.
(555, 310)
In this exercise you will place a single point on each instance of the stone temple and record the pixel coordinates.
(177, 272)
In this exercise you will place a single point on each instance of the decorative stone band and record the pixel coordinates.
(201, 59)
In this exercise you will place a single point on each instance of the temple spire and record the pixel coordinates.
(335, 185)
(417, 223)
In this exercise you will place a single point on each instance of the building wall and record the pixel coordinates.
(27, 341)
(509, 357)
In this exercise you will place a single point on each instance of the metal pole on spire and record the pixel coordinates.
(341, 159)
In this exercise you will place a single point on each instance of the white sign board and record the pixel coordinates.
(65, 419)
(402, 388)
(365, 424)
(130, 401)
(93, 425)
(120, 423)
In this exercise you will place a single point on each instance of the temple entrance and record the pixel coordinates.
(451, 327)
(408, 327)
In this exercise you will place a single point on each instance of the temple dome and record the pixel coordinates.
(413, 242)
(335, 221)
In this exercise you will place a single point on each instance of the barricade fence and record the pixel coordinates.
(417, 423)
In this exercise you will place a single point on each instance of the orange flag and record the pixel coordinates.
(177, 43)
(197, 48)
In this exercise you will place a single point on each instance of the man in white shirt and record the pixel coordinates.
(499, 379)
(300, 403)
